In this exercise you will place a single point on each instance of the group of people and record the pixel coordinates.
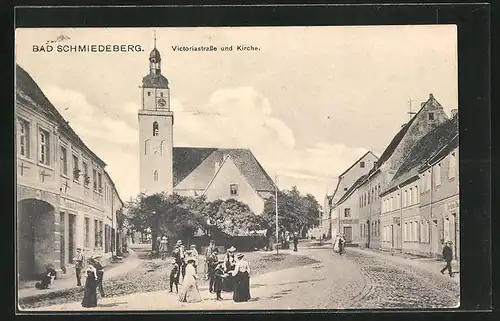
(338, 244)
(232, 274)
(94, 273)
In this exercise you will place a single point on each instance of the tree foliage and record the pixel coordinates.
(296, 212)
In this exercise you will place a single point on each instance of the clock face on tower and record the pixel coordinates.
(162, 102)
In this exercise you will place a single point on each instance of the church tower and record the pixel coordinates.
(156, 122)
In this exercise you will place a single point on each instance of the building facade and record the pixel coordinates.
(345, 181)
(420, 207)
(65, 198)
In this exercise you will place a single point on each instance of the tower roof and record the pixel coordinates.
(155, 54)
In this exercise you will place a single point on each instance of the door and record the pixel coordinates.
(392, 236)
(62, 230)
(71, 237)
(434, 237)
(348, 234)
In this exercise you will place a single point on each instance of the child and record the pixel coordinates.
(218, 276)
(174, 276)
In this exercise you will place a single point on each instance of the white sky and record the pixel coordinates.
(308, 104)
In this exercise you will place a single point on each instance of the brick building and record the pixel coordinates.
(65, 197)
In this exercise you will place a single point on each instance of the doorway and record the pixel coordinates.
(62, 231)
(348, 234)
(71, 237)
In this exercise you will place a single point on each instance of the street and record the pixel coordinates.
(356, 280)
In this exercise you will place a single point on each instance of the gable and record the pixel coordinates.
(194, 167)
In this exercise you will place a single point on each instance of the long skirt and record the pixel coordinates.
(90, 293)
(228, 283)
(241, 287)
(336, 247)
(189, 291)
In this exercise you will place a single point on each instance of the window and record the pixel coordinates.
(437, 175)
(155, 176)
(410, 197)
(76, 169)
(99, 179)
(64, 161)
(428, 181)
(233, 189)
(345, 188)
(347, 212)
(44, 147)
(87, 232)
(155, 128)
(94, 178)
(406, 232)
(24, 138)
(405, 198)
(161, 94)
(96, 233)
(362, 164)
(100, 234)
(431, 116)
(417, 196)
(451, 166)
(149, 93)
(86, 178)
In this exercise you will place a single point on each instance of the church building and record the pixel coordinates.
(217, 173)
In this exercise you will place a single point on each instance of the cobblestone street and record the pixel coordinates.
(356, 280)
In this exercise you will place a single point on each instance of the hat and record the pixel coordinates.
(212, 241)
(193, 246)
(231, 249)
(164, 238)
(240, 255)
(179, 242)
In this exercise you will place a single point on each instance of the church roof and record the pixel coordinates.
(155, 81)
(433, 146)
(29, 94)
(155, 54)
(187, 159)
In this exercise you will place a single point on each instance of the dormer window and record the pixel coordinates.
(362, 164)
(431, 116)
(233, 189)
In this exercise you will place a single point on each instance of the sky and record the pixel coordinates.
(308, 103)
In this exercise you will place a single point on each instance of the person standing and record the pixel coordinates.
(336, 244)
(447, 256)
(174, 276)
(189, 289)
(78, 260)
(211, 248)
(163, 247)
(157, 247)
(90, 293)
(229, 265)
(241, 274)
(178, 255)
(99, 273)
(212, 262)
(295, 241)
(218, 277)
(341, 244)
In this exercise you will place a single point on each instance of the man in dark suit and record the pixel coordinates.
(78, 260)
(447, 256)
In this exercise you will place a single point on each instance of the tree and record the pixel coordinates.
(296, 213)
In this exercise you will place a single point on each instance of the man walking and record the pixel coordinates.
(78, 260)
(447, 256)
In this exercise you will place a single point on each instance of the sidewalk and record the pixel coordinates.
(431, 265)
(128, 264)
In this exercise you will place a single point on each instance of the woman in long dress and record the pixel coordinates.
(241, 275)
(189, 291)
(229, 265)
(90, 293)
(336, 244)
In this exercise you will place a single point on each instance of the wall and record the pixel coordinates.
(369, 210)
(341, 221)
(220, 188)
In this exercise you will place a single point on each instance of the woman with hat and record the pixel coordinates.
(94, 261)
(189, 291)
(229, 265)
(90, 293)
(241, 274)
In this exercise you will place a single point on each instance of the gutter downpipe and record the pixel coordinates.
(401, 215)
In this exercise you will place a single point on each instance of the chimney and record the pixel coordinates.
(454, 112)
(431, 96)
